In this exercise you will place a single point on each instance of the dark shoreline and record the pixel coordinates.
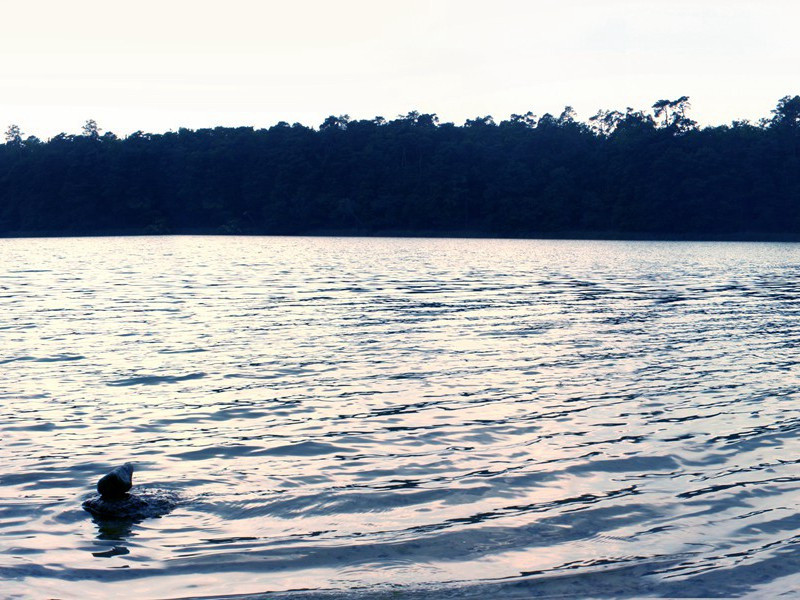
(639, 177)
(565, 236)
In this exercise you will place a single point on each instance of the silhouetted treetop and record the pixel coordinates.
(787, 113)
(90, 130)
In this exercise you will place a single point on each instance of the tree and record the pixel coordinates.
(567, 116)
(14, 135)
(91, 130)
(486, 121)
(427, 120)
(673, 114)
(419, 119)
(605, 122)
(527, 120)
(411, 117)
(334, 122)
(787, 112)
(635, 120)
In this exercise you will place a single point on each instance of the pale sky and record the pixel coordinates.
(160, 65)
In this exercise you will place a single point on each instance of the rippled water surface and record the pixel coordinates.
(429, 417)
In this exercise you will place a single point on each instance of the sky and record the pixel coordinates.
(161, 65)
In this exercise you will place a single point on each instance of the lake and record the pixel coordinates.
(430, 417)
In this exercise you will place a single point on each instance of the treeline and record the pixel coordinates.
(625, 173)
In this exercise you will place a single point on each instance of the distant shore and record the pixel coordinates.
(565, 236)
(634, 176)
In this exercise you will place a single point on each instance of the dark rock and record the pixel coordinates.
(117, 483)
(144, 504)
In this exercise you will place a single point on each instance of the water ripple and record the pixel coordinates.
(464, 418)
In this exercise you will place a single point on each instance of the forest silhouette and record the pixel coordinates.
(622, 174)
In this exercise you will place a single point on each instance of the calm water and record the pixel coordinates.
(456, 417)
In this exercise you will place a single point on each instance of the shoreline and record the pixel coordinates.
(563, 236)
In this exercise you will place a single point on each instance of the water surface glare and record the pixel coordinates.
(464, 416)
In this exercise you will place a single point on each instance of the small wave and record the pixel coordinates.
(225, 452)
(61, 358)
(633, 464)
(154, 379)
(17, 359)
(46, 359)
(302, 449)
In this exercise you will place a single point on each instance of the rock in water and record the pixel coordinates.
(144, 504)
(115, 503)
(116, 484)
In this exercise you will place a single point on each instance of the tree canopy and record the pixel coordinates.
(623, 173)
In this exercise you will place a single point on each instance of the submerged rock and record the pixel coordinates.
(117, 483)
(144, 504)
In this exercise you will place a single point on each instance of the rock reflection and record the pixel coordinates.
(115, 551)
(110, 532)
(115, 530)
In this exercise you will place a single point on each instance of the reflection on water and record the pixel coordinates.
(113, 529)
(481, 416)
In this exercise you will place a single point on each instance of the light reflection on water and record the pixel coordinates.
(504, 417)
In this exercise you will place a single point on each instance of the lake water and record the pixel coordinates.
(428, 417)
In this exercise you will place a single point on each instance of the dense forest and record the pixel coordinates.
(632, 173)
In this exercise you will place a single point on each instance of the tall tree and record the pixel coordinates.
(91, 130)
(13, 135)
